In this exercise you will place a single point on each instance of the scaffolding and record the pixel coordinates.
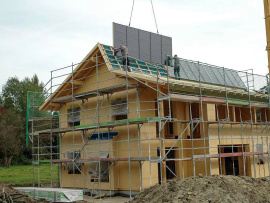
(108, 129)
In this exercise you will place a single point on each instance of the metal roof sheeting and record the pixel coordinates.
(197, 71)
(189, 70)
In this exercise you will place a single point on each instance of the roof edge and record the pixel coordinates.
(44, 106)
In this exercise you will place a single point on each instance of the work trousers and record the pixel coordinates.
(177, 72)
(126, 62)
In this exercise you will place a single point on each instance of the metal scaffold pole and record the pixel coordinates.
(33, 144)
(159, 134)
(73, 132)
(251, 122)
(145, 132)
(266, 126)
(51, 126)
(202, 121)
(127, 104)
(98, 127)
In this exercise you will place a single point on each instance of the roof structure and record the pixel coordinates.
(197, 71)
(191, 73)
(189, 70)
(137, 66)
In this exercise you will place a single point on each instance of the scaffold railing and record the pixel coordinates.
(104, 122)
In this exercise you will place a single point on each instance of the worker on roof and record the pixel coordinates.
(176, 64)
(124, 52)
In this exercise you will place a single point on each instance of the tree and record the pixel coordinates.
(14, 93)
(14, 99)
(1, 101)
(10, 135)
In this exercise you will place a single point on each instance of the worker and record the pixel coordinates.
(176, 65)
(124, 52)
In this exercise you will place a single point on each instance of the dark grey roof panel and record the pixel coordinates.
(155, 48)
(238, 78)
(142, 45)
(212, 75)
(133, 41)
(120, 34)
(144, 40)
(192, 70)
(204, 75)
(187, 68)
(166, 43)
(230, 81)
(183, 73)
(219, 74)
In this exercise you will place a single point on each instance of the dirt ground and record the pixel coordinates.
(208, 189)
(116, 199)
(193, 189)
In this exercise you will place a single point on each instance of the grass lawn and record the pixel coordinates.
(22, 175)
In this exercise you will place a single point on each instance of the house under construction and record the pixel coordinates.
(112, 130)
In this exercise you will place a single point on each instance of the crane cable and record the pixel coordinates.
(152, 10)
(154, 15)
(131, 13)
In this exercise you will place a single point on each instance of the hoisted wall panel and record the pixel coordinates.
(133, 42)
(144, 39)
(119, 35)
(166, 45)
(155, 48)
(141, 44)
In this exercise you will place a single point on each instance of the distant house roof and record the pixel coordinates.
(189, 70)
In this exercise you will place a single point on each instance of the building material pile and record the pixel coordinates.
(10, 195)
(209, 189)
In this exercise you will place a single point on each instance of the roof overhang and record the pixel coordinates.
(89, 58)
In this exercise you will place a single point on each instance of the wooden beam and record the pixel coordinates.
(77, 82)
(56, 105)
(99, 59)
(186, 98)
(213, 100)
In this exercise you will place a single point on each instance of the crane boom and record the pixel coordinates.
(267, 27)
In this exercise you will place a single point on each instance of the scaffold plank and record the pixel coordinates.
(42, 119)
(118, 122)
(234, 154)
(101, 125)
(94, 93)
(95, 159)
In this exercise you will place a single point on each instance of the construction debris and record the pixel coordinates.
(100, 196)
(208, 189)
(10, 195)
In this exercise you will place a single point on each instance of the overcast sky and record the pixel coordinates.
(39, 36)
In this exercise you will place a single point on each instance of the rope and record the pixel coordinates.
(131, 13)
(154, 15)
